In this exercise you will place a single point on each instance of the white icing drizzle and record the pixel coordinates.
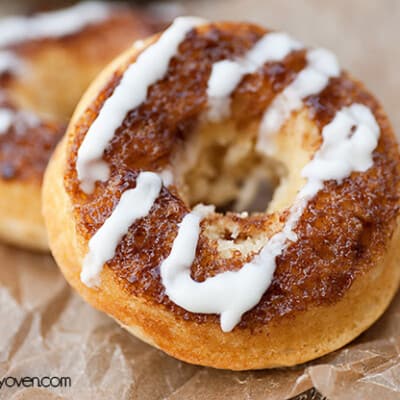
(227, 74)
(20, 120)
(167, 177)
(322, 65)
(14, 30)
(150, 66)
(134, 204)
(232, 293)
(6, 120)
(9, 62)
(18, 29)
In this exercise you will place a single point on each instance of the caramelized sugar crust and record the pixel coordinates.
(25, 151)
(343, 232)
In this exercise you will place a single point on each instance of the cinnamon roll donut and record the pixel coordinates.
(171, 133)
(46, 63)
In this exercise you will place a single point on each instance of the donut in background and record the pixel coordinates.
(47, 61)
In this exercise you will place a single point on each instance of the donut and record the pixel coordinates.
(47, 60)
(137, 197)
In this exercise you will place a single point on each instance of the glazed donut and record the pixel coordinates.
(46, 63)
(176, 127)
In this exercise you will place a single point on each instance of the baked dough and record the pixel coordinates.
(329, 236)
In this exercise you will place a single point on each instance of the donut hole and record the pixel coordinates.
(253, 194)
(219, 164)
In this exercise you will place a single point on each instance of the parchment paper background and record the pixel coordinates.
(46, 329)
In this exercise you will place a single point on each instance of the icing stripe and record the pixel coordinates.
(14, 30)
(227, 74)
(134, 204)
(322, 65)
(20, 120)
(9, 62)
(150, 66)
(6, 120)
(232, 293)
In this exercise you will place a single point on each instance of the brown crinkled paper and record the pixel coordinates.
(47, 330)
